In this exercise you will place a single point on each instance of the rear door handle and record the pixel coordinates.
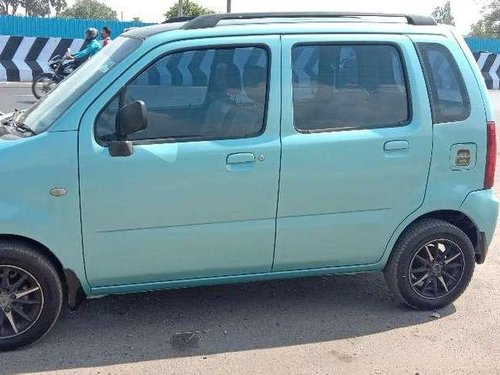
(396, 146)
(241, 158)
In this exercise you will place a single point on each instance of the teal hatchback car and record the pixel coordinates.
(243, 147)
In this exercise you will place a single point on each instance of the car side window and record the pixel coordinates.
(447, 90)
(348, 87)
(205, 94)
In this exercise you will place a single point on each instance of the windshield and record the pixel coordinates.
(42, 114)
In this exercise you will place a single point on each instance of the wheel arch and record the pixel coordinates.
(72, 287)
(454, 217)
(460, 220)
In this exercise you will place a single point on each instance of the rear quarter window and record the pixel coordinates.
(447, 91)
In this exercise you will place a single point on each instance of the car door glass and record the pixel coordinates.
(347, 87)
(205, 94)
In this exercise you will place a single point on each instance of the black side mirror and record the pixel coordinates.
(131, 118)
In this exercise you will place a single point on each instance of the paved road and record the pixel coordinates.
(348, 324)
(15, 95)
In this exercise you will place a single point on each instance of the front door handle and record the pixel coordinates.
(241, 158)
(396, 146)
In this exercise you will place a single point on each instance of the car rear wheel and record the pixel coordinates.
(31, 295)
(432, 265)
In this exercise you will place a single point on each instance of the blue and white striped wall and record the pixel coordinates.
(489, 63)
(23, 58)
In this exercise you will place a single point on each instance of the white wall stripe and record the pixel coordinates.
(494, 73)
(47, 51)
(206, 63)
(301, 64)
(76, 45)
(482, 60)
(3, 72)
(187, 79)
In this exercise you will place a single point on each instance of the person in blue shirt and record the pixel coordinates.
(90, 48)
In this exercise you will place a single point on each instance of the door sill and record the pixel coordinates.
(206, 281)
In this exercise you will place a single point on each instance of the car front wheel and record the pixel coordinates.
(31, 295)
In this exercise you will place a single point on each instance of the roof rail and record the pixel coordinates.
(180, 19)
(211, 20)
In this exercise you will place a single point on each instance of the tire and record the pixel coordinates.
(39, 81)
(412, 274)
(36, 312)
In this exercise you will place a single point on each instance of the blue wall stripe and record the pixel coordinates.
(74, 28)
(484, 45)
(58, 27)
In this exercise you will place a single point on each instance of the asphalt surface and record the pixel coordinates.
(15, 96)
(338, 324)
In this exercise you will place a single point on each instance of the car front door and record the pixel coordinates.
(357, 142)
(198, 196)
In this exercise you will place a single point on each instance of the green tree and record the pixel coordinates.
(444, 15)
(189, 9)
(90, 9)
(34, 8)
(9, 7)
(58, 5)
(489, 25)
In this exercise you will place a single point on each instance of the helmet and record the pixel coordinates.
(91, 33)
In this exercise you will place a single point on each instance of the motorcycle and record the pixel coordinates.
(61, 68)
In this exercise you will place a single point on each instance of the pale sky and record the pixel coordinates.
(466, 12)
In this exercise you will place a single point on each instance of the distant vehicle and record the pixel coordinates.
(243, 147)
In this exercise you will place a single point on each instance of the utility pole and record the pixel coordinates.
(181, 11)
(229, 6)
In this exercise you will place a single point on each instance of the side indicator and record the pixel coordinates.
(58, 192)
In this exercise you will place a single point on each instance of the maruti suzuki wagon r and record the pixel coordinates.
(243, 147)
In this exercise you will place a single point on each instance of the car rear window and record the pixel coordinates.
(447, 91)
(347, 87)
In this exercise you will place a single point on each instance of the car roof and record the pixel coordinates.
(290, 23)
(148, 31)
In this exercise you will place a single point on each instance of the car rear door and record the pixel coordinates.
(357, 142)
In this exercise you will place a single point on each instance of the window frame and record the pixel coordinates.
(431, 89)
(154, 141)
(405, 71)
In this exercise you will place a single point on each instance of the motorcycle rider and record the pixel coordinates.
(63, 67)
(91, 47)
